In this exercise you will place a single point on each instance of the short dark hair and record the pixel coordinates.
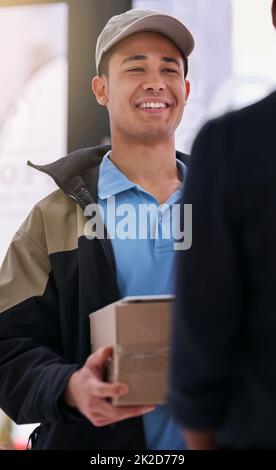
(104, 64)
(186, 68)
(273, 8)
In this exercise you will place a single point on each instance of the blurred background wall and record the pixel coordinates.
(47, 108)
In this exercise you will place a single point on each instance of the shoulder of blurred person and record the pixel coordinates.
(238, 145)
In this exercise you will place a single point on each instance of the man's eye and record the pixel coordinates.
(170, 70)
(136, 69)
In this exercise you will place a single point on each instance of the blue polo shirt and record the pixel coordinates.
(142, 242)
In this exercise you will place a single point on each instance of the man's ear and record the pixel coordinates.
(187, 86)
(100, 89)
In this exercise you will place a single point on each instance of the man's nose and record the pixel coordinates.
(154, 83)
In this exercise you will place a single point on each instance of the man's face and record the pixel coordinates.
(145, 91)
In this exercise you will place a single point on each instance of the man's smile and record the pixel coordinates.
(153, 106)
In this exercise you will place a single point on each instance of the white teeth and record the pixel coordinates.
(152, 105)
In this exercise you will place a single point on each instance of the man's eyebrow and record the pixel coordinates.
(134, 57)
(144, 57)
(170, 59)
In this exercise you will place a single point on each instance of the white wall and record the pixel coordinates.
(33, 111)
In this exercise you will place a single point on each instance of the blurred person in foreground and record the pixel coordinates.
(223, 382)
(55, 273)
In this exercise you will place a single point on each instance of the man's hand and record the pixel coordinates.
(86, 391)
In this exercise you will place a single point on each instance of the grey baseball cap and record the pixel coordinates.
(133, 21)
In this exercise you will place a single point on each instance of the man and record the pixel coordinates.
(54, 275)
(223, 382)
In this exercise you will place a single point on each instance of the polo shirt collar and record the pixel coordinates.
(112, 181)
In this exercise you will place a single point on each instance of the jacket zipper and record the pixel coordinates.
(105, 248)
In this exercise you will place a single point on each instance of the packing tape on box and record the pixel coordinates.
(141, 351)
(129, 360)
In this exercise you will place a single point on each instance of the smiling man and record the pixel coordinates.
(54, 276)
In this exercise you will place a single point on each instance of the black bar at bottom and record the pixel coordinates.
(124, 459)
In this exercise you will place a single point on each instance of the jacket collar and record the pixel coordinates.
(77, 173)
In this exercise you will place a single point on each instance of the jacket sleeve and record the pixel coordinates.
(208, 316)
(33, 372)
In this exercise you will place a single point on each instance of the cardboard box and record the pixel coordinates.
(138, 328)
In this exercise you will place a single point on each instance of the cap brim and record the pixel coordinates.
(163, 24)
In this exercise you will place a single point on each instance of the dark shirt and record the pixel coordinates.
(224, 349)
